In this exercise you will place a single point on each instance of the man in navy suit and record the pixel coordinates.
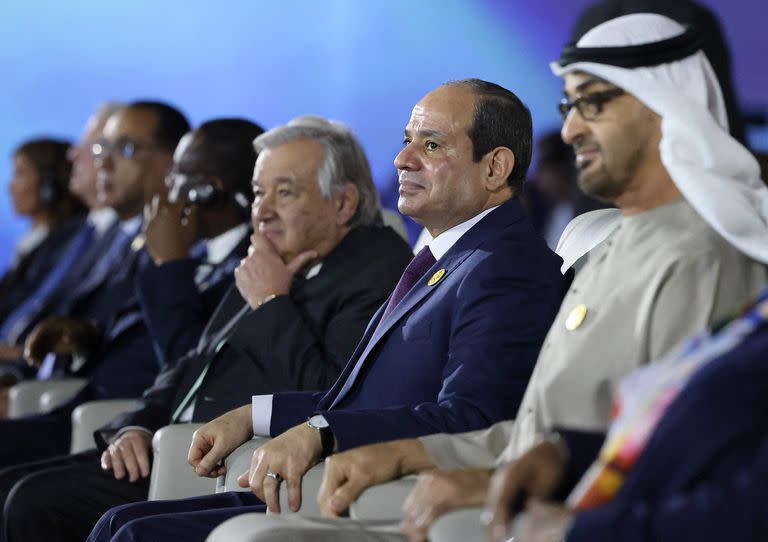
(105, 329)
(452, 349)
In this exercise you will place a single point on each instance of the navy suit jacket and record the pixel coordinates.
(704, 473)
(175, 309)
(453, 356)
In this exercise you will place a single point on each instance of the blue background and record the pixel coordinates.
(365, 63)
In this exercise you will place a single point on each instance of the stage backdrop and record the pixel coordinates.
(364, 63)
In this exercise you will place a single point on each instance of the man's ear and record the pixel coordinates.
(499, 164)
(346, 201)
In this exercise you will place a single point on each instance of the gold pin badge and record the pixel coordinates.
(138, 242)
(576, 317)
(434, 279)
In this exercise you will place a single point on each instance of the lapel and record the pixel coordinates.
(488, 228)
(229, 311)
(226, 267)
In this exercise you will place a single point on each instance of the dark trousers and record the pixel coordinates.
(190, 519)
(60, 500)
(34, 438)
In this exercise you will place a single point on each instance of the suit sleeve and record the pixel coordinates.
(471, 449)
(499, 319)
(172, 306)
(292, 408)
(731, 509)
(299, 354)
(154, 409)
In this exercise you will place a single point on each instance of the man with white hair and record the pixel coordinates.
(644, 113)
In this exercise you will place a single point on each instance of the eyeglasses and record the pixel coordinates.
(590, 105)
(125, 148)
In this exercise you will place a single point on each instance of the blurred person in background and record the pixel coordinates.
(552, 195)
(39, 192)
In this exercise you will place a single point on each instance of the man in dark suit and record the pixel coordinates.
(319, 248)
(197, 236)
(105, 330)
(453, 348)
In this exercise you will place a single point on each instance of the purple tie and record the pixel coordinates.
(415, 270)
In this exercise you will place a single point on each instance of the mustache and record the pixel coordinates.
(408, 177)
(585, 145)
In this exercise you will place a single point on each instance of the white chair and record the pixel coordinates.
(239, 461)
(384, 501)
(88, 417)
(40, 396)
(172, 477)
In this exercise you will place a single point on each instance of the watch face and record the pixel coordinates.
(318, 421)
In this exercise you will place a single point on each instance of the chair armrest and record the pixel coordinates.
(172, 477)
(466, 525)
(459, 526)
(60, 393)
(237, 463)
(88, 417)
(24, 398)
(384, 501)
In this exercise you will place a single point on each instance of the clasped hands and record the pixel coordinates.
(61, 335)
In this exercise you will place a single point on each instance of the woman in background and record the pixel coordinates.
(39, 190)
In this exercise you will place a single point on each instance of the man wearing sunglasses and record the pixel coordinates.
(689, 250)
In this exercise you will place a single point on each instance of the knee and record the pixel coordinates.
(26, 498)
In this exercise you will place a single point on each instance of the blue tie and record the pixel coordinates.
(17, 321)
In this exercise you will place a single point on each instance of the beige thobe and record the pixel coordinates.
(660, 277)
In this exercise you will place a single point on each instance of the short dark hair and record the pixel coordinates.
(226, 148)
(171, 123)
(500, 119)
(49, 158)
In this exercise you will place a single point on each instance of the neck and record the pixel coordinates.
(650, 188)
(444, 225)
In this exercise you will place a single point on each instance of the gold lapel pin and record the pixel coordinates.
(576, 317)
(434, 279)
(138, 242)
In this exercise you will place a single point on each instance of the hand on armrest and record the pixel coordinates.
(219, 438)
(349, 473)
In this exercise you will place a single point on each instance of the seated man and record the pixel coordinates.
(198, 235)
(105, 330)
(463, 326)
(87, 245)
(679, 261)
(319, 265)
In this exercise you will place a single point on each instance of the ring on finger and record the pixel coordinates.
(276, 475)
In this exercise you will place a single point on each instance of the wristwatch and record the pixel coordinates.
(327, 441)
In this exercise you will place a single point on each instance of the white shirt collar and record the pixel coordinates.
(443, 242)
(314, 270)
(131, 226)
(102, 219)
(222, 245)
(29, 241)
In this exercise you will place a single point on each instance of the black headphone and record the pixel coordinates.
(207, 195)
(49, 188)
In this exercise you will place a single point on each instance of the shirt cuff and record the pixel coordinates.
(261, 413)
(126, 429)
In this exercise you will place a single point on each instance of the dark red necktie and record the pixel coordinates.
(415, 270)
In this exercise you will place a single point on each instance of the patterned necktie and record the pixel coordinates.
(415, 270)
